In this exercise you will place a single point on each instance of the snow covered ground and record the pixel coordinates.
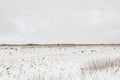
(60, 62)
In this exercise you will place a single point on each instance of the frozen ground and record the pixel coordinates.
(83, 62)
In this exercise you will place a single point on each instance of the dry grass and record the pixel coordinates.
(102, 64)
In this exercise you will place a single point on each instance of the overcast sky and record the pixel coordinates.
(59, 21)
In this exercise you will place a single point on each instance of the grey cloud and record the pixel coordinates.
(63, 21)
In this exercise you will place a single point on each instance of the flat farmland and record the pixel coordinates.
(60, 62)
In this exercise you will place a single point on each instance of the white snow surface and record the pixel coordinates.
(59, 62)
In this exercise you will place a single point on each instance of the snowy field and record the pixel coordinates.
(60, 62)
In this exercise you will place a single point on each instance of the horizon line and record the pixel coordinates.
(59, 44)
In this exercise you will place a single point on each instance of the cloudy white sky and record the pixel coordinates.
(59, 21)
